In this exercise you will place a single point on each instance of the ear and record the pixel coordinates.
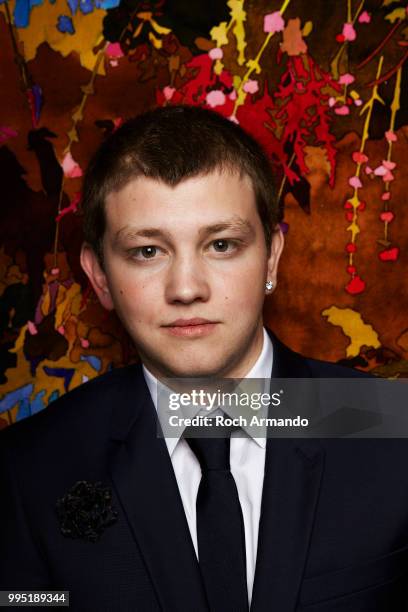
(276, 249)
(97, 277)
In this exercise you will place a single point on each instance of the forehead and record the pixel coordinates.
(192, 203)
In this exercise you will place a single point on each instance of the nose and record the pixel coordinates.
(187, 281)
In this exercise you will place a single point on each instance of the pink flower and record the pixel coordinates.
(6, 133)
(368, 170)
(168, 92)
(114, 50)
(215, 98)
(233, 119)
(332, 101)
(390, 165)
(251, 86)
(346, 79)
(342, 110)
(32, 328)
(386, 196)
(70, 167)
(215, 53)
(388, 176)
(349, 32)
(390, 136)
(364, 17)
(233, 95)
(273, 22)
(355, 182)
(380, 171)
(84, 343)
(358, 102)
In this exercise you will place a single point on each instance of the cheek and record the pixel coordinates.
(243, 294)
(137, 301)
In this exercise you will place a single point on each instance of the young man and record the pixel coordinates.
(182, 240)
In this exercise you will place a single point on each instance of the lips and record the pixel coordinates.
(191, 328)
(188, 322)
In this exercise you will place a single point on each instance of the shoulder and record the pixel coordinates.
(87, 406)
(288, 363)
(328, 369)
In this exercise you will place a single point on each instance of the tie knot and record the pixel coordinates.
(212, 453)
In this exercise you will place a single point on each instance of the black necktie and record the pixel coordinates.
(220, 527)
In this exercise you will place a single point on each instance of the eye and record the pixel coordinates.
(145, 252)
(148, 251)
(221, 245)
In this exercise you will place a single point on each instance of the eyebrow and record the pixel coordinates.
(235, 224)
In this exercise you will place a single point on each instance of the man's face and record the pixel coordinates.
(185, 268)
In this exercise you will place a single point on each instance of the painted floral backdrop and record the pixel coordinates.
(322, 85)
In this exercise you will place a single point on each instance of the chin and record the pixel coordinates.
(198, 372)
(195, 370)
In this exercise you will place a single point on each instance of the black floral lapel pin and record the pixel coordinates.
(86, 510)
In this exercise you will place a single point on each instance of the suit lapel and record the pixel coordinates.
(291, 486)
(293, 472)
(145, 483)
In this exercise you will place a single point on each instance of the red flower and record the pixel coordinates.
(387, 216)
(389, 254)
(355, 285)
(359, 158)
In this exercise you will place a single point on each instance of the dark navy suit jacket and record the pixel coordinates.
(333, 531)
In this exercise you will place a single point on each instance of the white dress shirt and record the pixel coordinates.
(247, 460)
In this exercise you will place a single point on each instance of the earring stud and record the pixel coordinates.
(269, 285)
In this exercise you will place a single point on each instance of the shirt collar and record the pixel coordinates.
(261, 369)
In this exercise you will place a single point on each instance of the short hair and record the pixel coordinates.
(171, 144)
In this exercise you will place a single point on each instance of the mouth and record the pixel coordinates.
(190, 328)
